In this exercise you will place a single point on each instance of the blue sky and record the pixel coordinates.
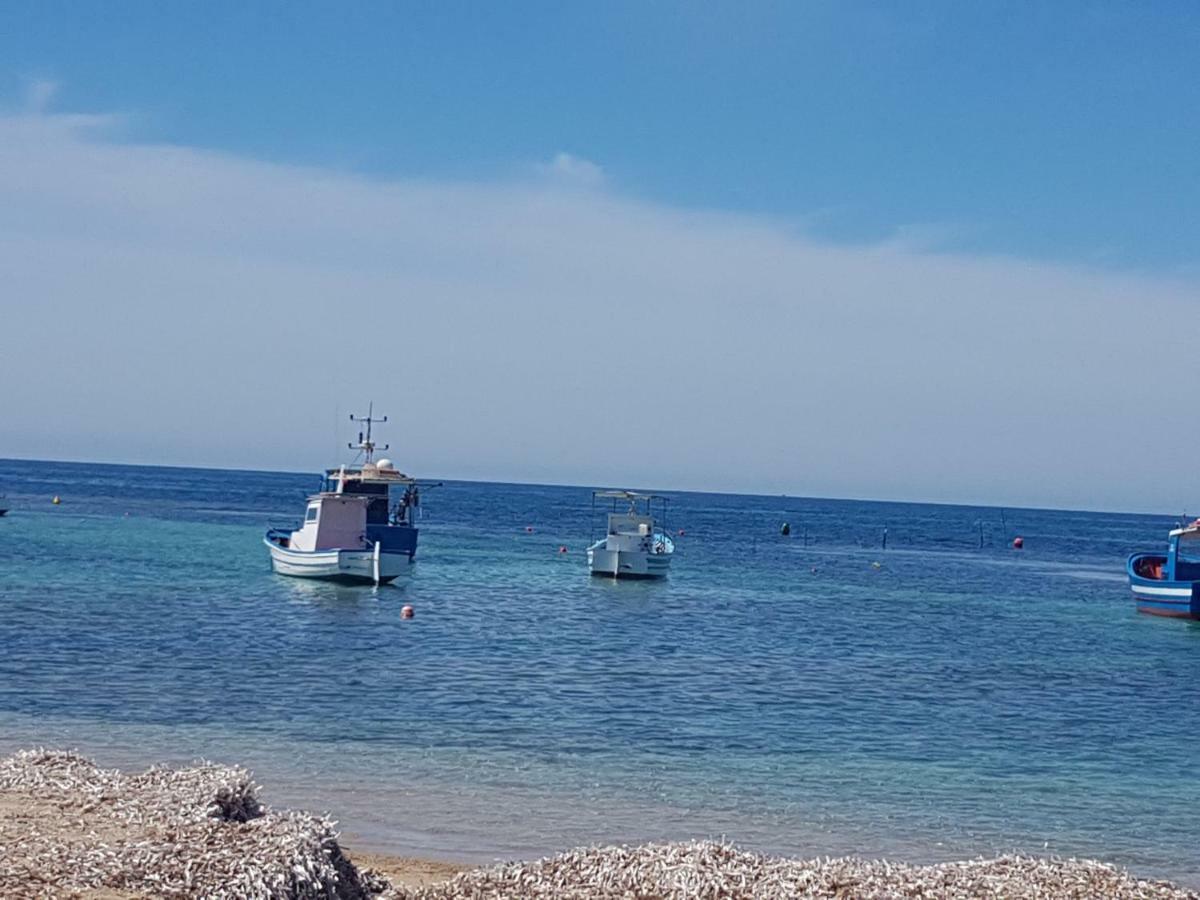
(1060, 130)
(875, 250)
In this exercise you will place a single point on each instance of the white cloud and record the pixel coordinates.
(568, 169)
(533, 331)
(38, 94)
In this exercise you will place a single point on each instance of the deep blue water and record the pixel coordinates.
(789, 695)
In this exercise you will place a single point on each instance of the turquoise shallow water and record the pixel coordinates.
(955, 700)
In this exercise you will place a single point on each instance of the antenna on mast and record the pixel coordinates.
(365, 445)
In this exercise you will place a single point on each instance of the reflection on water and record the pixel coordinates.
(304, 590)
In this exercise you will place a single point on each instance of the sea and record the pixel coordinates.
(819, 693)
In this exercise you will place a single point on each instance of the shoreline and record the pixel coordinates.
(395, 830)
(70, 828)
(407, 871)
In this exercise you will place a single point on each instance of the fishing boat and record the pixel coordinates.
(633, 546)
(1168, 584)
(359, 527)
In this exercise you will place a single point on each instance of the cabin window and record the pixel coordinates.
(377, 511)
(1189, 548)
(311, 515)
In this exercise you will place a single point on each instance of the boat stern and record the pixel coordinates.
(1157, 596)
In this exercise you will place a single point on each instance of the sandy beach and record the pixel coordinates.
(71, 829)
(407, 871)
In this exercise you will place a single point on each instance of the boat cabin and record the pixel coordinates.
(630, 523)
(1183, 553)
(354, 511)
(332, 522)
(1182, 560)
(375, 482)
(633, 528)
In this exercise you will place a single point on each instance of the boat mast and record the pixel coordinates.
(365, 445)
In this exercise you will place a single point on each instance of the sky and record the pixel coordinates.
(938, 251)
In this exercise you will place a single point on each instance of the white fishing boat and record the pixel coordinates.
(633, 545)
(352, 531)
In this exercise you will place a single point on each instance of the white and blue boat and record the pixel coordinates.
(633, 546)
(1168, 584)
(358, 528)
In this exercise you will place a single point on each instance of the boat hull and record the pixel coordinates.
(348, 566)
(627, 563)
(1158, 597)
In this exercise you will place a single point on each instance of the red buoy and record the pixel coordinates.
(406, 612)
(681, 532)
(562, 549)
(1018, 543)
(529, 529)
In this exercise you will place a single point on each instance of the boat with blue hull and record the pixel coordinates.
(1168, 584)
(358, 528)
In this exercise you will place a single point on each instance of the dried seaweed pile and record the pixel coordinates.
(707, 870)
(197, 832)
(201, 832)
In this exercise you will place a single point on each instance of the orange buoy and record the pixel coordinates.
(406, 612)
(1018, 543)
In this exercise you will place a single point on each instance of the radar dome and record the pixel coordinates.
(385, 464)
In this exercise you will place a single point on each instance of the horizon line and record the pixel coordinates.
(564, 484)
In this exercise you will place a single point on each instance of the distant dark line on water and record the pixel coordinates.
(789, 498)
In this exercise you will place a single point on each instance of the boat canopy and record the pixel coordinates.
(642, 520)
(370, 473)
(632, 496)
